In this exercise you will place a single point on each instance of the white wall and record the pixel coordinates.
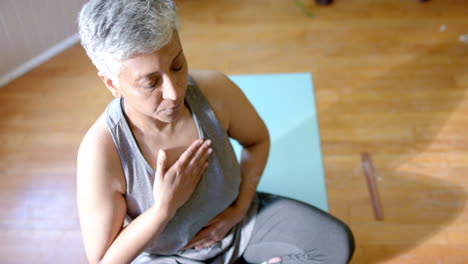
(32, 31)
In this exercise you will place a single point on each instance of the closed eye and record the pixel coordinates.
(178, 68)
(152, 84)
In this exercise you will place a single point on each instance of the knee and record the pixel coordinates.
(335, 239)
(345, 242)
(337, 244)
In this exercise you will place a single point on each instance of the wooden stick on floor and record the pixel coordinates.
(368, 168)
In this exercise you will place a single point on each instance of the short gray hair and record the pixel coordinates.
(114, 30)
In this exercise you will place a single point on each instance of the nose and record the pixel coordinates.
(169, 89)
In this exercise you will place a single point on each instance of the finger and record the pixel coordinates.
(187, 247)
(200, 237)
(161, 164)
(188, 154)
(193, 242)
(201, 154)
(198, 244)
(200, 165)
(205, 156)
(213, 235)
(197, 172)
(205, 244)
(212, 221)
(203, 160)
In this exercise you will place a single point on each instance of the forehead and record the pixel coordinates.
(145, 63)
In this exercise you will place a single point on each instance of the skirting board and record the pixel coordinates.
(38, 60)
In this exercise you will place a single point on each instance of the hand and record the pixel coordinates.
(217, 228)
(172, 188)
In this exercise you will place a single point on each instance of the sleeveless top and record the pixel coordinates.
(217, 189)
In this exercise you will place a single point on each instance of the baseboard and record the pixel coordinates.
(41, 58)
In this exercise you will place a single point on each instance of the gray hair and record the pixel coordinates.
(115, 30)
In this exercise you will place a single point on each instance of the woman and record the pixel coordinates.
(157, 180)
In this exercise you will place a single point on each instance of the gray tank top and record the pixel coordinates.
(217, 189)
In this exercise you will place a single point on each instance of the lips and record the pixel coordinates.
(171, 109)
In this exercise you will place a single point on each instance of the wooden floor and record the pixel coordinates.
(391, 78)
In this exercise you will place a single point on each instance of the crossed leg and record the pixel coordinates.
(291, 232)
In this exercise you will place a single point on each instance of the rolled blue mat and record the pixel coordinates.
(287, 106)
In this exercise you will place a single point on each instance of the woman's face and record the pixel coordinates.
(154, 84)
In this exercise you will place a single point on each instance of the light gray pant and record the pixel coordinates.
(294, 231)
(297, 233)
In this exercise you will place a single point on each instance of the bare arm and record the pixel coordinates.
(102, 206)
(246, 126)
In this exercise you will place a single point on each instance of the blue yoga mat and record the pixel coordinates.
(287, 106)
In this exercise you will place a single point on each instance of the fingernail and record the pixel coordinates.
(210, 150)
(208, 141)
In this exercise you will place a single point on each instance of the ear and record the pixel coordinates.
(112, 86)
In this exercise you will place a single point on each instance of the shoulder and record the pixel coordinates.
(209, 77)
(218, 89)
(98, 159)
(214, 84)
(97, 139)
